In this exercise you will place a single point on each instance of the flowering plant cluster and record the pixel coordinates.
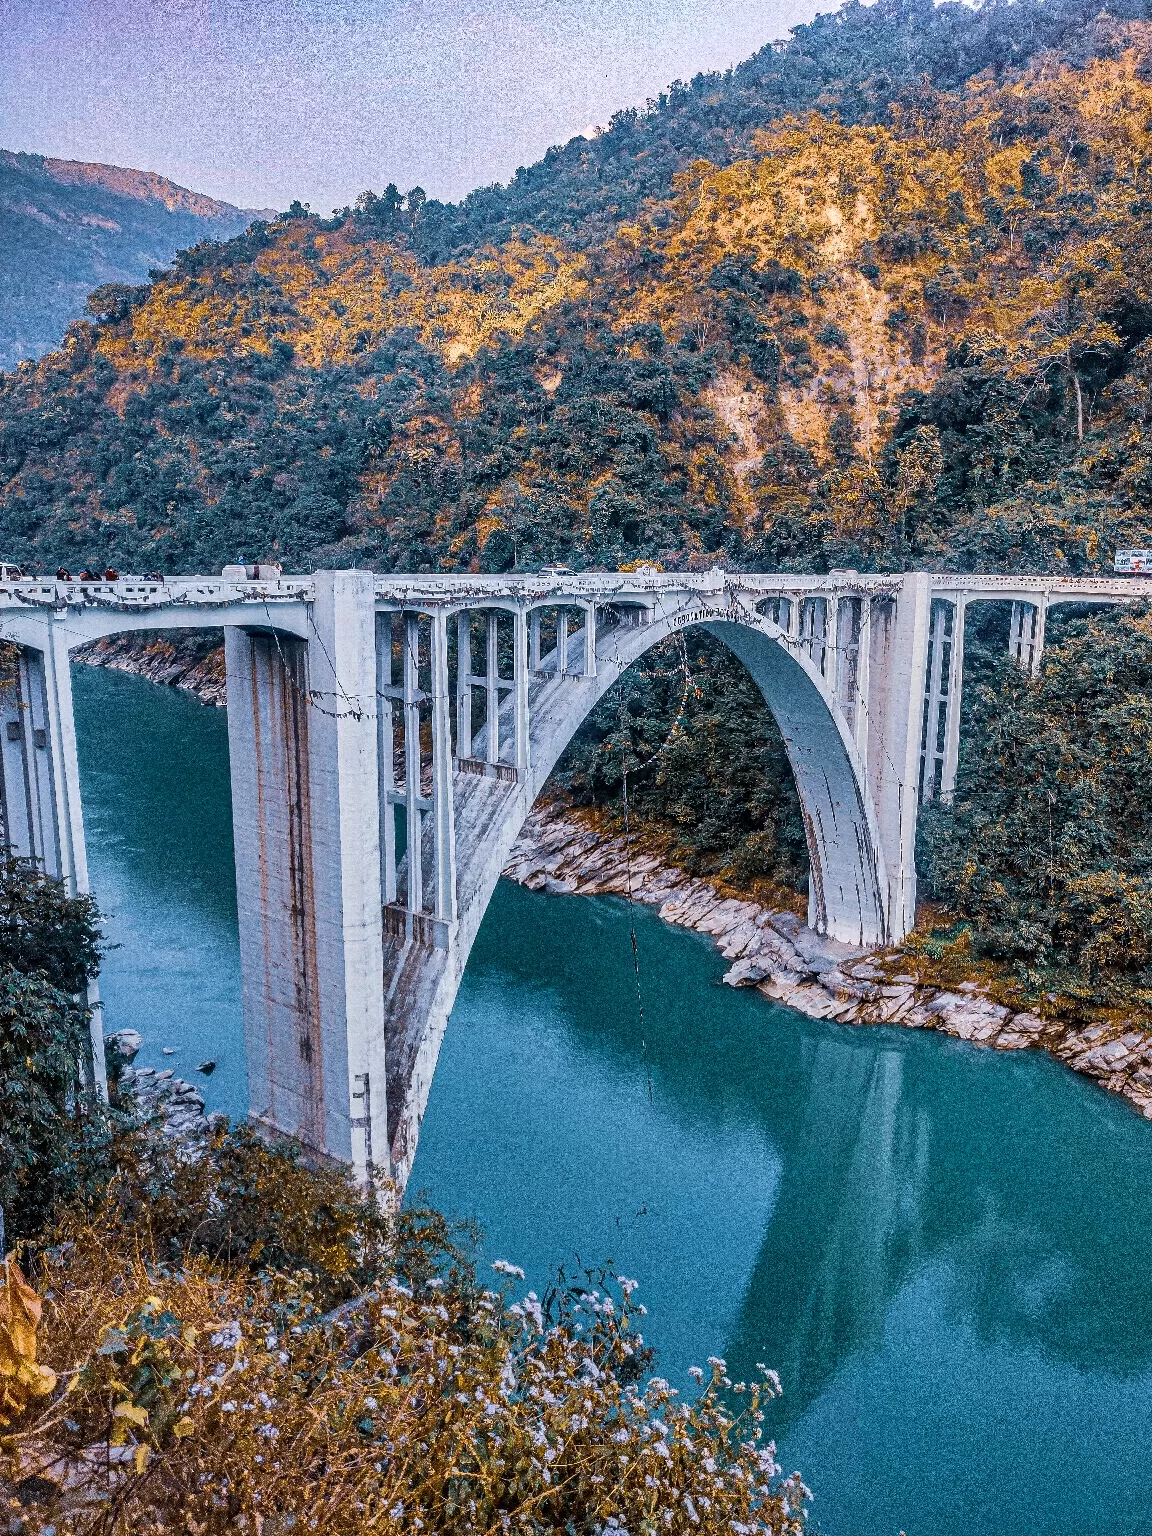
(201, 1395)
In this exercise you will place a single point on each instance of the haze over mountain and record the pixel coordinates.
(66, 227)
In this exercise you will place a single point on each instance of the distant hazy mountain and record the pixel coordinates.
(67, 227)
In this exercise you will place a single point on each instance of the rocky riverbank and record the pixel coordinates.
(178, 1104)
(565, 852)
(179, 662)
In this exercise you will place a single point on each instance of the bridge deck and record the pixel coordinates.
(133, 594)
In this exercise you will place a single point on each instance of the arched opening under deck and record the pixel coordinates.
(494, 788)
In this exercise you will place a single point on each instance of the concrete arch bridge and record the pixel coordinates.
(364, 707)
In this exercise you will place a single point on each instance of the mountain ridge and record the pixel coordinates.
(146, 186)
(68, 226)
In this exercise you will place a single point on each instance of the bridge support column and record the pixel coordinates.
(415, 803)
(386, 750)
(562, 640)
(863, 680)
(895, 731)
(302, 737)
(69, 817)
(443, 807)
(463, 684)
(1026, 634)
(589, 669)
(520, 667)
(492, 688)
(831, 667)
(43, 815)
(955, 695)
(937, 692)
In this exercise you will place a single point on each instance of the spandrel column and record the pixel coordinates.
(520, 686)
(464, 684)
(955, 699)
(863, 680)
(492, 688)
(443, 810)
(412, 796)
(386, 747)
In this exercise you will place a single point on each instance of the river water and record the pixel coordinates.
(946, 1252)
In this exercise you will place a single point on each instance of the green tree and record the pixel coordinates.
(1047, 847)
(51, 1130)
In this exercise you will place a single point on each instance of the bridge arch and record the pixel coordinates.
(847, 898)
(848, 892)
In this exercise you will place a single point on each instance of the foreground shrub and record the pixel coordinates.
(203, 1389)
(52, 1132)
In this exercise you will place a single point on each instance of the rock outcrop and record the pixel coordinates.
(777, 954)
(179, 1103)
(182, 664)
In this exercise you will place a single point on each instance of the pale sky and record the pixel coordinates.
(262, 101)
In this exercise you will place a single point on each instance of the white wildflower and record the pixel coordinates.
(502, 1267)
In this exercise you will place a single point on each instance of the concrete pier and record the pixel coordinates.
(302, 741)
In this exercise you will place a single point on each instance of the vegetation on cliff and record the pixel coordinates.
(879, 297)
(1047, 848)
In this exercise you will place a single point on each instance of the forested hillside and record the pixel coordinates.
(915, 330)
(880, 297)
(66, 227)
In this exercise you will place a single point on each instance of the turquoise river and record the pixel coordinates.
(946, 1252)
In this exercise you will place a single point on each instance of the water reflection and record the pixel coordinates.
(848, 1223)
(1033, 1188)
(947, 1249)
